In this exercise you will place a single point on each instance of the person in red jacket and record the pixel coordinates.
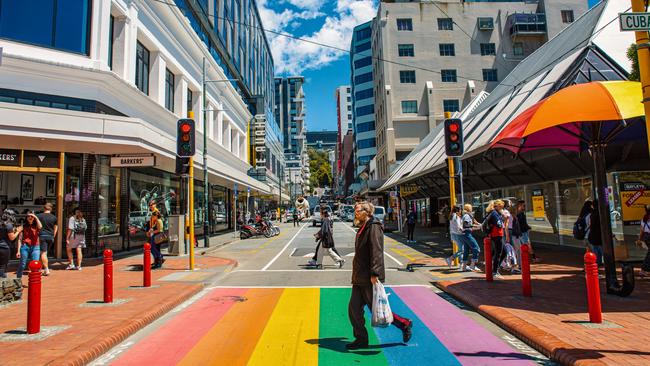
(28, 248)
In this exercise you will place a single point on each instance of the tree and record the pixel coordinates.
(320, 168)
(634, 58)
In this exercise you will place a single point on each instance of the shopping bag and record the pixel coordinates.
(382, 316)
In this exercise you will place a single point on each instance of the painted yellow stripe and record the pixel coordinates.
(294, 321)
(232, 340)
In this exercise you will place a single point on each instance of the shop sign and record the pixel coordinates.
(9, 157)
(538, 205)
(259, 140)
(407, 189)
(132, 161)
(634, 198)
(41, 159)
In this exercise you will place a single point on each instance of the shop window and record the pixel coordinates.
(109, 183)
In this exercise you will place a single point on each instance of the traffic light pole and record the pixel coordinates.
(643, 53)
(191, 199)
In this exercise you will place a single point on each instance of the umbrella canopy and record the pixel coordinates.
(575, 117)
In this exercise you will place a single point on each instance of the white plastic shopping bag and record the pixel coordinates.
(382, 316)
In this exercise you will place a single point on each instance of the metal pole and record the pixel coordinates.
(460, 182)
(643, 52)
(191, 203)
(206, 184)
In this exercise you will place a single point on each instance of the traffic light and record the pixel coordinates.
(454, 137)
(182, 165)
(185, 146)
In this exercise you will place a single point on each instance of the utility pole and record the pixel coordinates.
(643, 53)
(190, 192)
(206, 183)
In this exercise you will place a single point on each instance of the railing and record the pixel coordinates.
(526, 24)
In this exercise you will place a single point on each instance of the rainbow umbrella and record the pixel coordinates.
(576, 118)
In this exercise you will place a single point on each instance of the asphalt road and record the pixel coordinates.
(274, 310)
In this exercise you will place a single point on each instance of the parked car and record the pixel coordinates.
(380, 214)
(316, 218)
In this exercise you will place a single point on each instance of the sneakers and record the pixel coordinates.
(357, 344)
(498, 276)
(462, 267)
(448, 261)
(311, 262)
(407, 332)
(79, 268)
(71, 267)
(341, 263)
(515, 271)
(46, 272)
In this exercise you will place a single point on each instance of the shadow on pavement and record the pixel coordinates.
(338, 344)
(496, 355)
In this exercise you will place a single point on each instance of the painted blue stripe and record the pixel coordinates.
(423, 348)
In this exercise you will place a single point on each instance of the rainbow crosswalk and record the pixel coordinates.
(310, 326)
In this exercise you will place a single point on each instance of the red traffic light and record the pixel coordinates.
(453, 137)
(185, 128)
(453, 127)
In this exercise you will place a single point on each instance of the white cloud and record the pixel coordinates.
(293, 56)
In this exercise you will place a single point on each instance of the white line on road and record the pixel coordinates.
(283, 249)
(293, 251)
(388, 255)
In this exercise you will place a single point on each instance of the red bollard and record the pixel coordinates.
(108, 276)
(146, 266)
(34, 298)
(525, 270)
(487, 252)
(593, 288)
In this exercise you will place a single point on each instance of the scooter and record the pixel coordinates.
(247, 231)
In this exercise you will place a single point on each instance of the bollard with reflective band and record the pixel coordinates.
(146, 266)
(34, 298)
(487, 250)
(108, 276)
(525, 270)
(593, 288)
(454, 248)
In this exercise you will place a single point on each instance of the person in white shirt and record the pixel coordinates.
(456, 234)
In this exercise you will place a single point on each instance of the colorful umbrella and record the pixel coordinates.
(574, 117)
(579, 117)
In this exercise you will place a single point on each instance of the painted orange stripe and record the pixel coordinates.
(232, 340)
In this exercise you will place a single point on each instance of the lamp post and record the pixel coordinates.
(206, 184)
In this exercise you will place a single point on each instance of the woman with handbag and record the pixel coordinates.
(644, 236)
(156, 238)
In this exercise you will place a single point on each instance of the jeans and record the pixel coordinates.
(598, 250)
(498, 253)
(646, 262)
(155, 250)
(458, 239)
(410, 229)
(27, 253)
(470, 244)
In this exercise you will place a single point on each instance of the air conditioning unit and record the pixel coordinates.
(486, 23)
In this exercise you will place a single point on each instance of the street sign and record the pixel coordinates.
(634, 21)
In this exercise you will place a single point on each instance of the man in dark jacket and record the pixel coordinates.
(367, 269)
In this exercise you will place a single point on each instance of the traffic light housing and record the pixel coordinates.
(185, 138)
(454, 137)
(182, 165)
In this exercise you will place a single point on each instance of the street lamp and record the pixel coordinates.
(206, 184)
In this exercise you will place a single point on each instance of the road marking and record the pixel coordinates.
(388, 255)
(283, 249)
(293, 251)
(303, 270)
(317, 286)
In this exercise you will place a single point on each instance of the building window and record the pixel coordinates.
(365, 110)
(363, 78)
(488, 49)
(365, 127)
(362, 34)
(142, 68)
(405, 50)
(407, 76)
(485, 23)
(349, 108)
(451, 105)
(448, 76)
(111, 31)
(169, 90)
(518, 49)
(63, 25)
(567, 16)
(447, 49)
(362, 47)
(490, 75)
(445, 24)
(363, 94)
(404, 24)
(409, 106)
(367, 143)
(349, 116)
(348, 98)
(190, 99)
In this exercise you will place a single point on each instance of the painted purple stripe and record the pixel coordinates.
(471, 343)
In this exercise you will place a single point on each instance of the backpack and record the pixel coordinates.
(485, 226)
(580, 228)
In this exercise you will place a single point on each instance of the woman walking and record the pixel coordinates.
(594, 236)
(325, 240)
(469, 224)
(497, 228)
(644, 236)
(76, 238)
(155, 228)
(524, 227)
(456, 233)
(28, 249)
(410, 226)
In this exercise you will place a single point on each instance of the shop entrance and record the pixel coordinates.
(29, 179)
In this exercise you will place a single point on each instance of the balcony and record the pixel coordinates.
(526, 24)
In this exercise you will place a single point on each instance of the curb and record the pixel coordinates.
(92, 349)
(545, 343)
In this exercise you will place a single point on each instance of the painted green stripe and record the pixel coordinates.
(335, 332)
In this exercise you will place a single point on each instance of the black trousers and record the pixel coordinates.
(411, 229)
(5, 253)
(498, 253)
(360, 297)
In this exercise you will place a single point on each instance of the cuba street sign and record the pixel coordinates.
(634, 21)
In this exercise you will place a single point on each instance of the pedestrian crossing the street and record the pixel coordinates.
(310, 326)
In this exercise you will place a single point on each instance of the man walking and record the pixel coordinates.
(47, 234)
(367, 269)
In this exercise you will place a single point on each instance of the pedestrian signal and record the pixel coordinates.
(454, 137)
(185, 144)
(182, 165)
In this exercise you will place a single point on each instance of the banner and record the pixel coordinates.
(634, 197)
(538, 205)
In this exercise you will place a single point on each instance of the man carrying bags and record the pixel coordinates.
(367, 269)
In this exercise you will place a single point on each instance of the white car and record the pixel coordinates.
(380, 214)
(315, 218)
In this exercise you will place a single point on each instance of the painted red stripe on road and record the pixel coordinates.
(172, 341)
(467, 340)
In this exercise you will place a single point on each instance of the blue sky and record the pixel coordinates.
(324, 21)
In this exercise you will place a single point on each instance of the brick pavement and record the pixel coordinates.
(94, 330)
(555, 319)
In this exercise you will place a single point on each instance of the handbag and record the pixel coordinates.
(160, 238)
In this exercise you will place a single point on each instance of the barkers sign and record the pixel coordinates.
(9, 157)
(132, 161)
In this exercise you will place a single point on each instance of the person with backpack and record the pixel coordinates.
(515, 240)
(76, 238)
(155, 228)
(468, 225)
(456, 233)
(410, 226)
(496, 227)
(644, 236)
(525, 229)
(47, 234)
(581, 225)
(594, 236)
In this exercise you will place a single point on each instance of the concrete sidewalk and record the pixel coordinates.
(76, 327)
(555, 320)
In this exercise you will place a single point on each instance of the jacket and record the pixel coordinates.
(369, 254)
(325, 237)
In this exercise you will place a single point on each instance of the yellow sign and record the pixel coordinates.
(407, 189)
(538, 207)
(634, 198)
